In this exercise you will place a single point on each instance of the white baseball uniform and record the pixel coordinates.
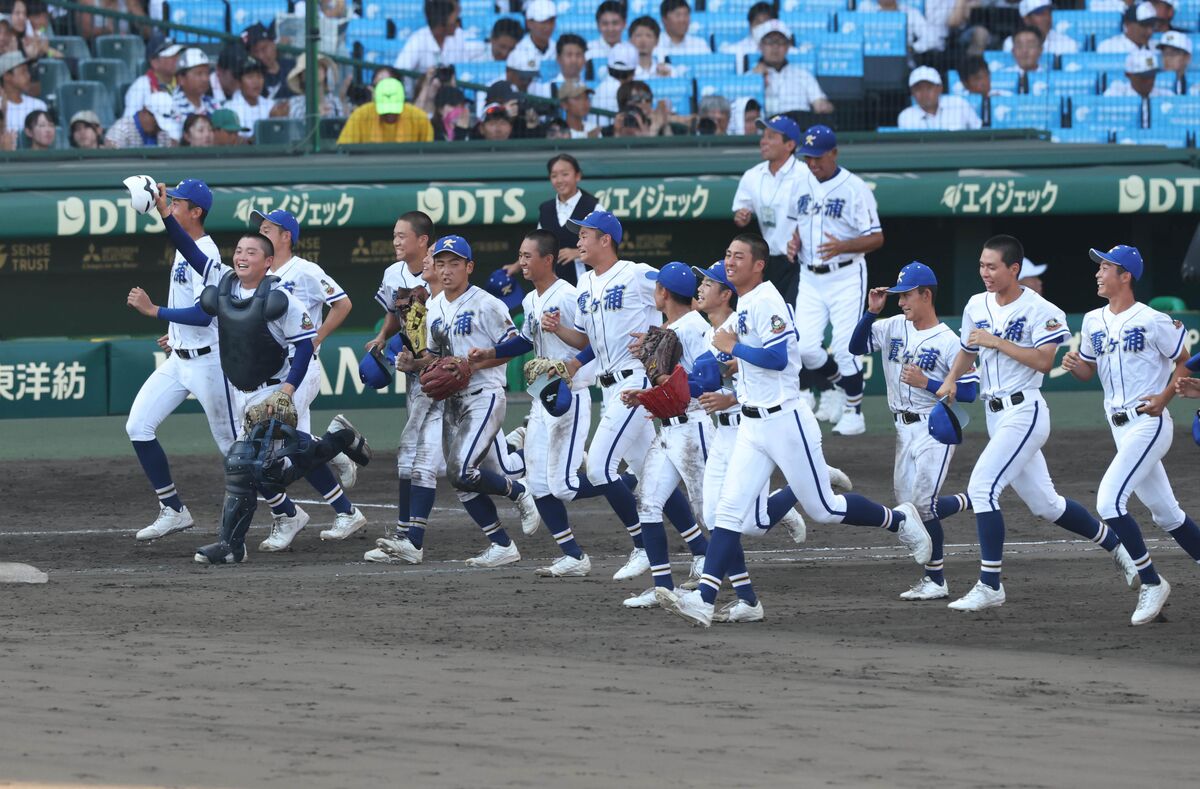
(833, 291)
(288, 329)
(609, 308)
(1134, 353)
(200, 375)
(921, 460)
(1018, 418)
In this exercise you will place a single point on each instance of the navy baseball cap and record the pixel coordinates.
(454, 244)
(505, 288)
(676, 277)
(782, 124)
(603, 221)
(817, 141)
(1126, 257)
(193, 190)
(715, 272)
(280, 217)
(914, 275)
(947, 420)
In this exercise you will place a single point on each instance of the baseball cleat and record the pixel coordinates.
(566, 567)
(913, 535)
(220, 553)
(833, 404)
(1151, 600)
(689, 606)
(496, 556)
(739, 611)
(283, 530)
(697, 568)
(851, 423)
(393, 550)
(795, 526)
(359, 450)
(839, 480)
(345, 524)
(345, 469)
(1124, 563)
(168, 522)
(637, 564)
(980, 597)
(530, 520)
(516, 439)
(926, 589)
(647, 599)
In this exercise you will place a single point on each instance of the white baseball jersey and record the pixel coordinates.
(395, 277)
(311, 286)
(769, 196)
(560, 297)
(763, 320)
(1134, 352)
(476, 319)
(613, 305)
(185, 289)
(842, 207)
(1029, 322)
(695, 337)
(288, 329)
(932, 350)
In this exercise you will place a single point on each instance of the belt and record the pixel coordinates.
(469, 394)
(263, 385)
(759, 413)
(1125, 417)
(728, 420)
(1000, 403)
(183, 353)
(675, 420)
(828, 267)
(608, 379)
(908, 417)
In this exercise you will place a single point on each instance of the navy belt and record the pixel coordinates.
(675, 420)
(759, 413)
(998, 404)
(728, 420)
(183, 353)
(828, 267)
(608, 379)
(908, 417)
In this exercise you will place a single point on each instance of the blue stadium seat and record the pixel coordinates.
(1105, 112)
(51, 72)
(75, 96)
(884, 35)
(726, 26)
(788, 7)
(483, 73)
(379, 50)
(208, 14)
(112, 74)
(1170, 137)
(72, 47)
(707, 65)
(278, 131)
(1175, 112)
(680, 91)
(1093, 61)
(358, 29)
(1080, 25)
(837, 54)
(731, 86)
(1086, 135)
(1075, 83)
(130, 49)
(580, 21)
(1025, 112)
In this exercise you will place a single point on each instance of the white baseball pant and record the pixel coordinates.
(720, 451)
(677, 454)
(623, 433)
(836, 299)
(469, 423)
(1142, 443)
(419, 455)
(170, 384)
(554, 448)
(921, 466)
(1013, 456)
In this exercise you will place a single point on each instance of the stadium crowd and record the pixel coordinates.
(1089, 71)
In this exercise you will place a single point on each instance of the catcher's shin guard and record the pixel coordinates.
(240, 497)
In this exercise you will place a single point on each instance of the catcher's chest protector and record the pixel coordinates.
(249, 354)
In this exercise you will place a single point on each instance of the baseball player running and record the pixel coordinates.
(193, 362)
(777, 431)
(314, 289)
(1015, 333)
(460, 318)
(917, 350)
(837, 224)
(553, 441)
(1139, 354)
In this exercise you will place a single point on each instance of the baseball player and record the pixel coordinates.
(460, 318)
(1136, 350)
(777, 431)
(193, 362)
(553, 443)
(314, 289)
(837, 224)
(916, 350)
(1015, 333)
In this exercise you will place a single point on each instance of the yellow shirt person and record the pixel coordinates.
(387, 119)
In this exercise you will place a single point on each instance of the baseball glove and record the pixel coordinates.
(553, 368)
(670, 398)
(277, 406)
(659, 352)
(413, 321)
(447, 376)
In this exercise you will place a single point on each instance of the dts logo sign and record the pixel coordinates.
(99, 217)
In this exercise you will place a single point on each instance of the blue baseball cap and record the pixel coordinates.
(947, 420)
(453, 244)
(280, 217)
(914, 275)
(554, 394)
(603, 221)
(676, 277)
(1126, 257)
(782, 124)
(505, 288)
(817, 141)
(715, 272)
(193, 190)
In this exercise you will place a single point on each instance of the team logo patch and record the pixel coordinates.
(777, 325)
(327, 288)
(1178, 324)
(1053, 324)
(306, 322)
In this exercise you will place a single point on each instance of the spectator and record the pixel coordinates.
(576, 100)
(1175, 48)
(197, 132)
(297, 105)
(92, 25)
(260, 44)
(1040, 14)
(934, 111)
(227, 129)
(638, 94)
(496, 124)
(610, 21)
(676, 18)
(622, 63)
(152, 126)
(1141, 70)
(441, 41)
(1166, 15)
(789, 87)
(632, 122)
(557, 129)
(759, 12)
(522, 70)
(715, 110)
(940, 20)
(745, 116)
(387, 119)
(14, 84)
(225, 76)
(192, 85)
(921, 37)
(569, 202)
(644, 34)
(1026, 52)
(540, 19)
(505, 94)
(452, 115)
(1136, 28)
(8, 36)
(8, 139)
(86, 131)
(28, 39)
(505, 35)
(248, 103)
(40, 131)
(976, 78)
(572, 57)
(162, 55)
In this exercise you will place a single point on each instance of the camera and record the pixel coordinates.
(444, 74)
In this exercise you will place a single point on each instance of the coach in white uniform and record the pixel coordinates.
(1139, 354)
(837, 224)
(193, 365)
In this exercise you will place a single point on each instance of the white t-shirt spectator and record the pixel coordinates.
(17, 112)
(691, 45)
(421, 52)
(1118, 43)
(953, 114)
(937, 16)
(599, 48)
(1123, 88)
(791, 88)
(605, 97)
(248, 113)
(140, 90)
(527, 48)
(1056, 43)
